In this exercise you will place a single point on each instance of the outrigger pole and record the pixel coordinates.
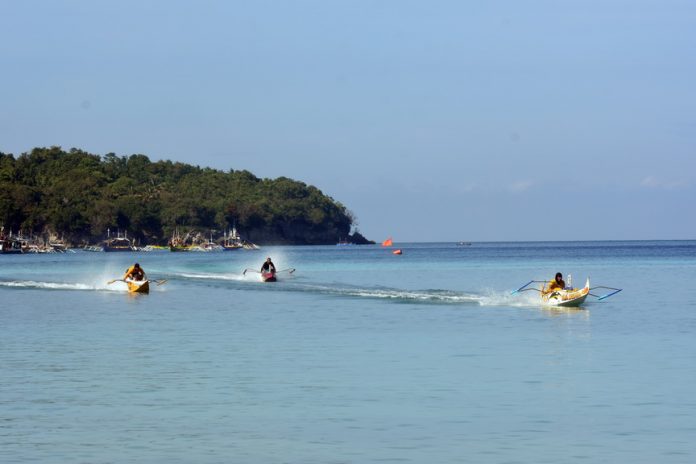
(616, 290)
(524, 287)
(158, 282)
(289, 271)
(599, 298)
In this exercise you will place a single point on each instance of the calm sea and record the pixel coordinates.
(359, 356)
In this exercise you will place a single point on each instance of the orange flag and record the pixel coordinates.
(387, 242)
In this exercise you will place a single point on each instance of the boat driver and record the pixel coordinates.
(556, 284)
(135, 272)
(268, 266)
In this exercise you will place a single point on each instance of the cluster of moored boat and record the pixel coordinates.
(16, 244)
(192, 241)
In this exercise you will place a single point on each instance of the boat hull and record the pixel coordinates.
(178, 249)
(10, 247)
(11, 251)
(138, 286)
(268, 276)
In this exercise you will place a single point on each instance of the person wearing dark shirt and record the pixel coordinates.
(268, 266)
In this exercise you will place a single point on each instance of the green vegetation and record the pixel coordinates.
(82, 195)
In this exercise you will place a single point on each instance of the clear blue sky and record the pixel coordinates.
(440, 120)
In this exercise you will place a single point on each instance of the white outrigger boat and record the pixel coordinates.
(568, 297)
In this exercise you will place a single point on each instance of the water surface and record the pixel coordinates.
(359, 356)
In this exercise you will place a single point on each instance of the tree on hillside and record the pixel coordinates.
(81, 195)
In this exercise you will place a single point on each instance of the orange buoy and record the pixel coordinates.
(397, 252)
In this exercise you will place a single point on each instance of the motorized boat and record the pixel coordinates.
(232, 240)
(568, 297)
(269, 276)
(138, 286)
(118, 243)
(10, 246)
(208, 247)
(179, 243)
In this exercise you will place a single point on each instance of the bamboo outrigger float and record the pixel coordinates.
(568, 297)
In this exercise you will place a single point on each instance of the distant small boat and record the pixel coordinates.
(177, 248)
(464, 243)
(118, 243)
(10, 246)
(250, 246)
(178, 244)
(388, 242)
(209, 246)
(154, 248)
(232, 241)
(397, 252)
(58, 244)
(138, 286)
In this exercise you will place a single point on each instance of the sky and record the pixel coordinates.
(431, 121)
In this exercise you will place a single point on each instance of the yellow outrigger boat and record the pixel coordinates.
(138, 286)
(568, 297)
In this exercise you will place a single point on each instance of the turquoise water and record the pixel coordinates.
(359, 356)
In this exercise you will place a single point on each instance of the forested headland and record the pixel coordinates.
(80, 196)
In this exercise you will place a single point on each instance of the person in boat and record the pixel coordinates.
(268, 266)
(135, 272)
(556, 284)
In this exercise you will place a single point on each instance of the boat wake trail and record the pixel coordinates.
(429, 296)
(56, 285)
(385, 293)
(202, 276)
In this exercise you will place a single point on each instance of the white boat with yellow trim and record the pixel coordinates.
(568, 297)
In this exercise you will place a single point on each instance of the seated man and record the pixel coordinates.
(268, 266)
(135, 272)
